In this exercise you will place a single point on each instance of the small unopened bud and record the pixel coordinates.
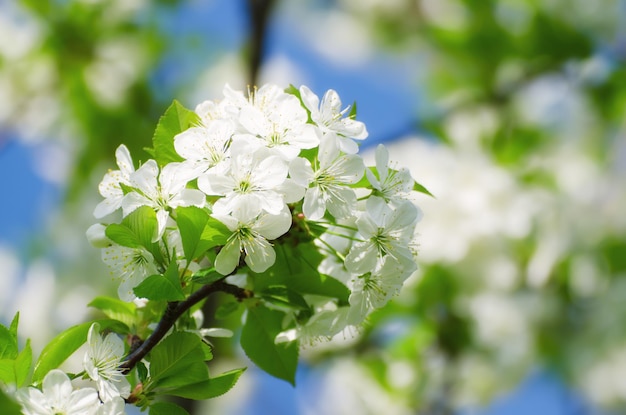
(96, 236)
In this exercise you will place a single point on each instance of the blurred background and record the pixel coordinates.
(512, 113)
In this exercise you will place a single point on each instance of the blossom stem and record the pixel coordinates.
(172, 312)
(332, 250)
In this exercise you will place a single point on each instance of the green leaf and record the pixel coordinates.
(166, 408)
(9, 407)
(207, 350)
(419, 188)
(142, 371)
(206, 276)
(215, 233)
(8, 344)
(225, 310)
(190, 374)
(210, 388)
(59, 349)
(121, 235)
(164, 287)
(175, 120)
(7, 371)
(282, 296)
(15, 371)
(22, 364)
(64, 345)
(173, 357)
(14, 324)
(352, 113)
(143, 223)
(296, 269)
(191, 223)
(116, 309)
(136, 230)
(257, 340)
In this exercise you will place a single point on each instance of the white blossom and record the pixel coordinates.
(329, 116)
(161, 192)
(110, 187)
(251, 182)
(276, 118)
(102, 361)
(251, 232)
(392, 185)
(206, 147)
(58, 397)
(130, 265)
(386, 232)
(322, 325)
(115, 406)
(328, 182)
(374, 289)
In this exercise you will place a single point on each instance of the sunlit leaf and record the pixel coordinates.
(8, 344)
(210, 388)
(173, 358)
(191, 223)
(115, 309)
(64, 345)
(166, 408)
(164, 287)
(176, 119)
(23, 363)
(257, 340)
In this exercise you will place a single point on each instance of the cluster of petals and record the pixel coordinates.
(247, 154)
(58, 396)
(252, 157)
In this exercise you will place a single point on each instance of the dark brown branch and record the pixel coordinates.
(259, 12)
(173, 311)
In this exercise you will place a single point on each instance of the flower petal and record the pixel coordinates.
(228, 257)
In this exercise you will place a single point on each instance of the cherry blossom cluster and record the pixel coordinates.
(268, 164)
(106, 388)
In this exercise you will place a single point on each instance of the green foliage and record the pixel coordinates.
(175, 120)
(226, 309)
(352, 113)
(137, 229)
(8, 344)
(15, 371)
(282, 297)
(210, 388)
(215, 233)
(9, 407)
(421, 189)
(116, 309)
(65, 344)
(167, 408)
(199, 232)
(178, 361)
(164, 287)
(257, 340)
(206, 276)
(14, 364)
(296, 269)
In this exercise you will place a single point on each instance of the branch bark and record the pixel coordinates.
(259, 12)
(173, 311)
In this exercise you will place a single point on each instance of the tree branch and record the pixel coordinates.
(173, 311)
(258, 12)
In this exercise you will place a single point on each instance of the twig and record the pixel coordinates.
(173, 311)
(259, 11)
